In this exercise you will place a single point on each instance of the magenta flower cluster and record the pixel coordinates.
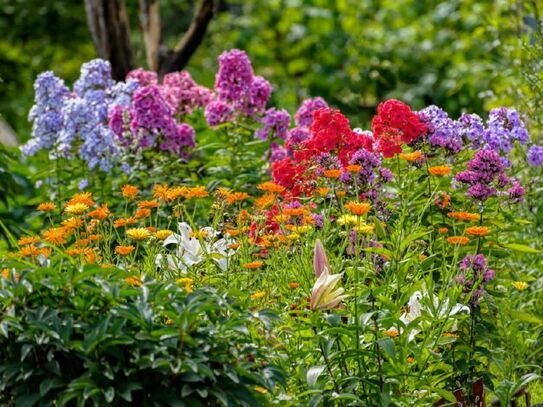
(485, 176)
(474, 276)
(238, 91)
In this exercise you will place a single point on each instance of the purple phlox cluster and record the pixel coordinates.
(304, 114)
(275, 123)
(516, 192)
(278, 152)
(474, 276)
(46, 114)
(81, 117)
(370, 164)
(218, 112)
(471, 127)
(152, 119)
(327, 161)
(183, 94)
(237, 86)
(503, 127)
(535, 156)
(143, 77)
(484, 171)
(442, 130)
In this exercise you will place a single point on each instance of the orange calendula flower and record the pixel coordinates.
(392, 332)
(265, 201)
(82, 198)
(163, 234)
(29, 251)
(443, 231)
(353, 168)
(82, 243)
(332, 174)
(232, 232)
(293, 211)
(138, 233)
(102, 212)
(234, 246)
(440, 170)
(234, 197)
(5, 273)
(73, 223)
(142, 213)
(26, 240)
(323, 191)
(196, 192)
(124, 250)
(148, 204)
(341, 194)
(412, 157)
(95, 237)
(161, 192)
(129, 191)
(271, 187)
(293, 285)
(74, 252)
(55, 236)
(422, 257)
(459, 240)
(478, 231)
(253, 265)
(358, 208)
(175, 193)
(443, 200)
(76, 209)
(258, 295)
(243, 216)
(466, 216)
(134, 281)
(46, 207)
(410, 359)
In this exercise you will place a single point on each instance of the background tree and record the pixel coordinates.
(110, 31)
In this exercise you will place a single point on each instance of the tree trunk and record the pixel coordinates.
(110, 32)
(177, 59)
(150, 25)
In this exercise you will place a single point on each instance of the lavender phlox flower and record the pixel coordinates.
(275, 123)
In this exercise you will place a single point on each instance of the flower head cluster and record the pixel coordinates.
(484, 175)
(535, 156)
(442, 130)
(503, 127)
(64, 119)
(395, 124)
(474, 276)
(237, 87)
(275, 122)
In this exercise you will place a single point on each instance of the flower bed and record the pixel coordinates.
(377, 263)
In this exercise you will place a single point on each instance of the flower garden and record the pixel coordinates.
(200, 246)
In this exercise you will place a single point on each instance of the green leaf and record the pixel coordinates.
(518, 247)
(313, 375)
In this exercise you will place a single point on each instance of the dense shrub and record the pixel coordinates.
(93, 338)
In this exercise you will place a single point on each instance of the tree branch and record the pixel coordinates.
(175, 60)
(110, 32)
(150, 25)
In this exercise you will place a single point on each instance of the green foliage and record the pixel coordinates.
(86, 337)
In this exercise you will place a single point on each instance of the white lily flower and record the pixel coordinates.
(191, 250)
(438, 311)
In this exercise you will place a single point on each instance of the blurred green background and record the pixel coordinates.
(463, 55)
